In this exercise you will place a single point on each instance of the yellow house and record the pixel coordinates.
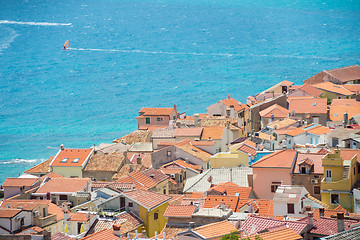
(333, 91)
(149, 206)
(70, 162)
(339, 177)
(239, 154)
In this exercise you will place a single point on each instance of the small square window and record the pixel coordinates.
(156, 216)
(147, 120)
(131, 204)
(63, 197)
(291, 208)
(76, 160)
(64, 160)
(160, 119)
(316, 189)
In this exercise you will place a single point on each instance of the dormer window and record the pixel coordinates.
(64, 160)
(76, 160)
(303, 170)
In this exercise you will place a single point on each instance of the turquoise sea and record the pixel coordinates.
(128, 54)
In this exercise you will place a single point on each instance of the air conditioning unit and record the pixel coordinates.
(36, 213)
(172, 176)
(314, 181)
(17, 219)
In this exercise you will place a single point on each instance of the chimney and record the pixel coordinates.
(138, 160)
(340, 222)
(311, 219)
(321, 212)
(117, 229)
(191, 225)
(196, 119)
(345, 119)
(228, 96)
(62, 147)
(175, 107)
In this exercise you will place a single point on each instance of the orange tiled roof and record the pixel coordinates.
(214, 201)
(52, 175)
(337, 112)
(247, 149)
(147, 199)
(217, 229)
(64, 185)
(295, 132)
(19, 182)
(263, 207)
(348, 154)
(143, 179)
(319, 130)
(312, 105)
(188, 132)
(311, 90)
(187, 147)
(27, 205)
(334, 88)
(212, 133)
(188, 165)
(105, 234)
(75, 157)
(183, 211)
(197, 195)
(80, 217)
(54, 209)
(41, 167)
(250, 143)
(129, 180)
(101, 162)
(156, 111)
(8, 212)
(275, 110)
(155, 175)
(203, 143)
(355, 88)
(171, 232)
(345, 74)
(135, 136)
(232, 102)
(345, 102)
(279, 159)
(280, 234)
(329, 212)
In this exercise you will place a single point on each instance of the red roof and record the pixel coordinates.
(315, 158)
(155, 175)
(183, 211)
(276, 110)
(19, 182)
(345, 74)
(232, 102)
(328, 226)
(253, 224)
(105, 234)
(311, 90)
(27, 205)
(308, 105)
(64, 185)
(247, 149)
(188, 132)
(263, 207)
(279, 159)
(80, 217)
(156, 111)
(8, 213)
(215, 201)
(71, 157)
(214, 230)
(147, 199)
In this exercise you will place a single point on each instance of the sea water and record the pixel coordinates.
(125, 55)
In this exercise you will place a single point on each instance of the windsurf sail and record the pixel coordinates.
(66, 44)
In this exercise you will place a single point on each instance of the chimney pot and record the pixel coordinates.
(228, 96)
(340, 222)
(62, 147)
(311, 218)
(117, 229)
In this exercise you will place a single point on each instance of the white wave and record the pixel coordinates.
(19, 160)
(6, 44)
(34, 23)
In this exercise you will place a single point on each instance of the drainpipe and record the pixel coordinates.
(147, 223)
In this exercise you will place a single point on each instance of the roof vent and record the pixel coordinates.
(152, 175)
(62, 147)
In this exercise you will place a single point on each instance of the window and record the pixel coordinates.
(156, 216)
(164, 191)
(316, 189)
(334, 199)
(274, 187)
(160, 119)
(64, 160)
(290, 208)
(76, 160)
(328, 173)
(315, 119)
(63, 197)
(181, 178)
(303, 170)
(131, 204)
(147, 120)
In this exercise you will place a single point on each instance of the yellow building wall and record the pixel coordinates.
(159, 188)
(229, 160)
(330, 95)
(345, 200)
(150, 223)
(68, 171)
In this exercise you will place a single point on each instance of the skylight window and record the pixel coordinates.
(76, 160)
(64, 160)
(314, 104)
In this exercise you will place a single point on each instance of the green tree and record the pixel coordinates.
(231, 236)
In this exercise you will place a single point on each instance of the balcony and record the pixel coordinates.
(44, 221)
(342, 185)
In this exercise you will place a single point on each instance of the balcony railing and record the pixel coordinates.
(342, 185)
(44, 221)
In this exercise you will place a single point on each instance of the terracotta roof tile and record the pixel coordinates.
(18, 182)
(232, 102)
(135, 136)
(217, 229)
(143, 179)
(80, 217)
(197, 195)
(319, 130)
(355, 88)
(126, 169)
(279, 159)
(183, 211)
(171, 232)
(52, 175)
(275, 110)
(328, 213)
(71, 157)
(280, 234)
(101, 162)
(41, 167)
(147, 199)
(104, 234)
(187, 147)
(155, 175)
(203, 143)
(334, 88)
(54, 209)
(188, 132)
(328, 226)
(64, 185)
(128, 180)
(8, 212)
(337, 112)
(60, 236)
(250, 143)
(322, 151)
(280, 124)
(253, 224)
(295, 132)
(346, 74)
(348, 154)
(345, 102)
(311, 90)
(156, 111)
(210, 133)
(314, 105)
(214, 201)
(263, 207)
(247, 149)
(27, 205)
(188, 165)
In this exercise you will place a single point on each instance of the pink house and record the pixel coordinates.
(271, 171)
(151, 118)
